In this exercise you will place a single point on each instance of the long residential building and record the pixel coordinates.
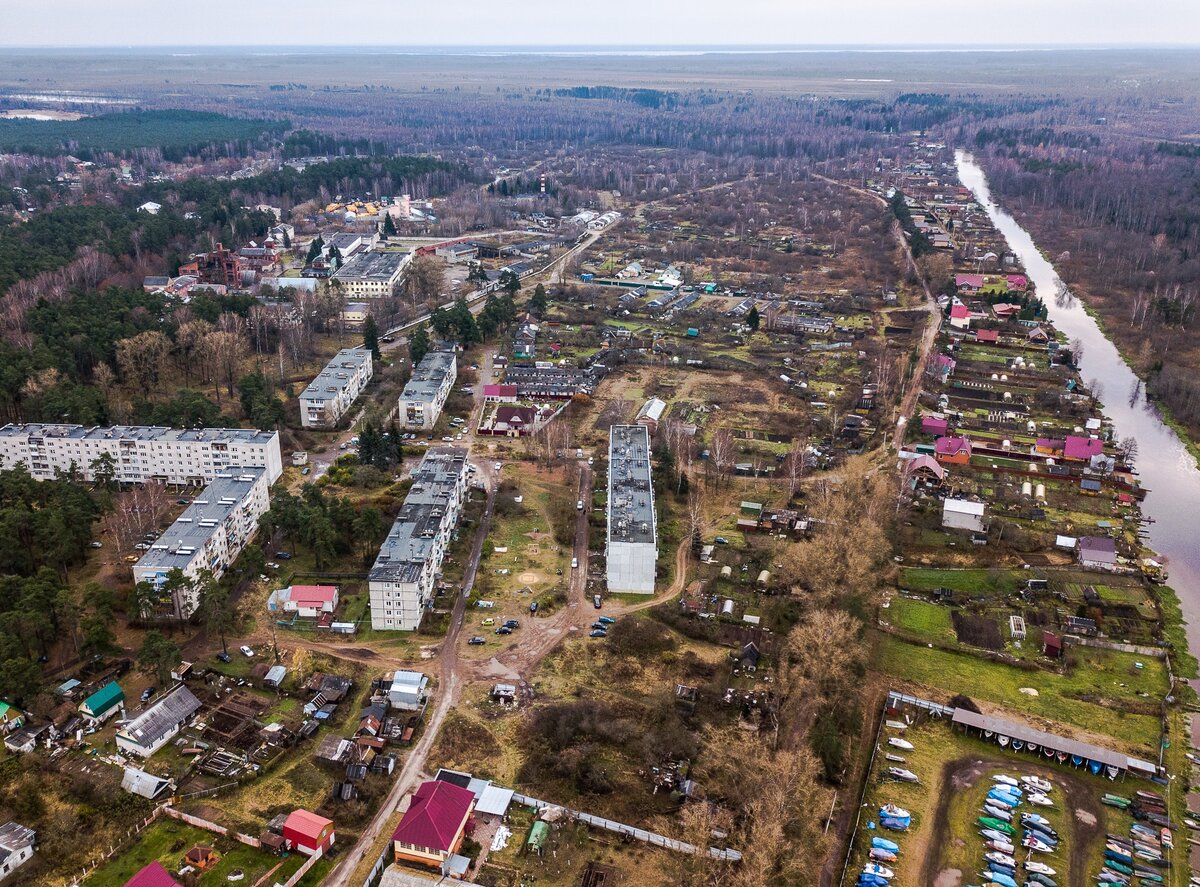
(330, 395)
(402, 581)
(140, 452)
(425, 394)
(372, 275)
(210, 533)
(632, 526)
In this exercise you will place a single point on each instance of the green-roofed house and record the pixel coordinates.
(104, 703)
(10, 718)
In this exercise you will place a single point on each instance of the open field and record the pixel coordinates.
(1090, 697)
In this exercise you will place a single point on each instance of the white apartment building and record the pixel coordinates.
(372, 275)
(632, 524)
(140, 452)
(330, 394)
(425, 394)
(402, 581)
(210, 533)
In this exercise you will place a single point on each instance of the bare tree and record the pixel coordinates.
(141, 359)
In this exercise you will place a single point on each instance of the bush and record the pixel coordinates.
(640, 637)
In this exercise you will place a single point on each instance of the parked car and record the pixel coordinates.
(599, 624)
(304, 471)
(574, 563)
(498, 465)
(182, 501)
(143, 546)
(533, 605)
(284, 555)
(579, 505)
(96, 544)
(489, 621)
(721, 540)
(148, 692)
(388, 339)
(503, 629)
(596, 601)
(476, 641)
(246, 651)
(606, 620)
(224, 657)
(512, 623)
(271, 565)
(598, 633)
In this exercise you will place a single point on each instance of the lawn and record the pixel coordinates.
(975, 582)
(167, 840)
(1106, 679)
(921, 618)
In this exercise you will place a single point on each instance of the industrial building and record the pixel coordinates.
(402, 581)
(140, 452)
(329, 396)
(210, 533)
(425, 394)
(632, 527)
(372, 275)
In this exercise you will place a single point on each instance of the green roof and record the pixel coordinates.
(105, 698)
(537, 835)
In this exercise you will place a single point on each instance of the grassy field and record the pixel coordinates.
(168, 840)
(921, 618)
(975, 582)
(1083, 698)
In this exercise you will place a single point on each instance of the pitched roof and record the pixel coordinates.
(958, 310)
(434, 817)
(105, 698)
(1077, 447)
(306, 824)
(153, 875)
(949, 446)
(152, 723)
(929, 464)
(313, 595)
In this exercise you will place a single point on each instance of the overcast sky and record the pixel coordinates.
(612, 22)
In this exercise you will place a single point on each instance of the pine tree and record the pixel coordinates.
(418, 345)
(371, 336)
(752, 318)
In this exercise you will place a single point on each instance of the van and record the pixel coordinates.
(596, 601)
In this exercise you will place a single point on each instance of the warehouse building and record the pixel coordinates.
(209, 535)
(632, 528)
(425, 394)
(403, 579)
(372, 275)
(140, 452)
(330, 395)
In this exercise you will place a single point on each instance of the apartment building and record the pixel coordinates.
(329, 396)
(425, 394)
(140, 452)
(632, 525)
(210, 533)
(372, 275)
(402, 581)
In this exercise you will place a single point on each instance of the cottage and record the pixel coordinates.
(1082, 449)
(434, 825)
(407, 691)
(24, 740)
(17, 845)
(651, 414)
(1097, 552)
(309, 601)
(151, 729)
(960, 316)
(308, 833)
(104, 703)
(924, 468)
(987, 337)
(1051, 645)
(952, 450)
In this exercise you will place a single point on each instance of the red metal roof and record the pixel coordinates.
(958, 310)
(153, 875)
(301, 824)
(313, 594)
(434, 817)
(1077, 447)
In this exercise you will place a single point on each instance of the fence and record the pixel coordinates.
(211, 827)
(90, 868)
(630, 831)
(303, 870)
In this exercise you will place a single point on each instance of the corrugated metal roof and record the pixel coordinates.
(1013, 730)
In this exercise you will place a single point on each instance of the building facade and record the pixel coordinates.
(330, 395)
(425, 394)
(153, 727)
(210, 533)
(140, 452)
(403, 579)
(17, 844)
(632, 547)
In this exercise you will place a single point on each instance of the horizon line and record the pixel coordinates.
(534, 48)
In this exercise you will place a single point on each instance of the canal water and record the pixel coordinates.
(1164, 465)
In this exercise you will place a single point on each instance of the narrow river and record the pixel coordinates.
(1166, 468)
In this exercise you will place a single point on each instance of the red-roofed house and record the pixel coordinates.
(434, 825)
(1047, 446)
(1081, 449)
(1017, 281)
(925, 468)
(1004, 310)
(499, 393)
(968, 283)
(305, 600)
(952, 450)
(308, 832)
(153, 875)
(991, 336)
(960, 316)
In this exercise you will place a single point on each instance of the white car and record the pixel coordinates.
(246, 651)
(498, 465)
